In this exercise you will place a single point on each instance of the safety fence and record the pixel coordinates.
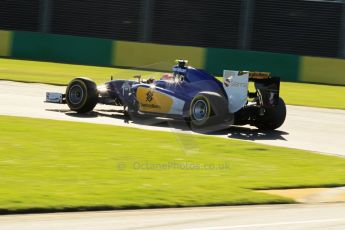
(301, 27)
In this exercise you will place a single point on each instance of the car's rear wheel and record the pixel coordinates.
(273, 117)
(81, 95)
(208, 112)
(200, 110)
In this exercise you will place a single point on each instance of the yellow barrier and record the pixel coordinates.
(155, 56)
(322, 70)
(5, 43)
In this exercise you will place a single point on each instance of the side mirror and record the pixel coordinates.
(138, 77)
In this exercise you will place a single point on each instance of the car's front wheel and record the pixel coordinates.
(81, 95)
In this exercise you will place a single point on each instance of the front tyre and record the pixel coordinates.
(81, 95)
(273, 117)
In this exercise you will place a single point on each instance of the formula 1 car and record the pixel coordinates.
(199, 98)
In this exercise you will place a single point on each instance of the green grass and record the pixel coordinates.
(61, 74)
(314, 95)
(50, 165)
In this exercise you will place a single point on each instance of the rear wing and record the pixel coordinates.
(236, 87)
(259, 75)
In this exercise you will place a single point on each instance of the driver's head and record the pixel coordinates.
(167, 76)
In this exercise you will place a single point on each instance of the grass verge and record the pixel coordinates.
(50, 166)
(314, 95)
(61, 74)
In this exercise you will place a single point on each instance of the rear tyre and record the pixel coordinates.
(208, 112)
(273, 117)
(81, 95)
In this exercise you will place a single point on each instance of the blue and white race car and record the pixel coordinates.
(191, 94)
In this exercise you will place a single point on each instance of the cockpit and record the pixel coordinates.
(181, 73)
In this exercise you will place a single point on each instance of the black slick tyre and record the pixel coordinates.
(81, 95)
(208, 112)
(273, 117)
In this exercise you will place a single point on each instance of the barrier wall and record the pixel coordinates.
(61, 48)
(105, 52)
(155, 56)
(322, 70)
(5, 43)
(283, 65)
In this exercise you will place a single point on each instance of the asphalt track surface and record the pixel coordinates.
(319, 130)
(282, 217)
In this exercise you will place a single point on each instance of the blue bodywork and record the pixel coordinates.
(191, 82)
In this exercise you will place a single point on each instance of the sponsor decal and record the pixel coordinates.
(149, 96)
(54, 97)
(233, 83)
(125, 88)
(150, 106)
(259, 75)
(180, 70)
(152, 100)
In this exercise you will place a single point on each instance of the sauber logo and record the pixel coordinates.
(149, 96)
(233, 83)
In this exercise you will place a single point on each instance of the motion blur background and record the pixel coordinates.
(304, 27)
(297, 27)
